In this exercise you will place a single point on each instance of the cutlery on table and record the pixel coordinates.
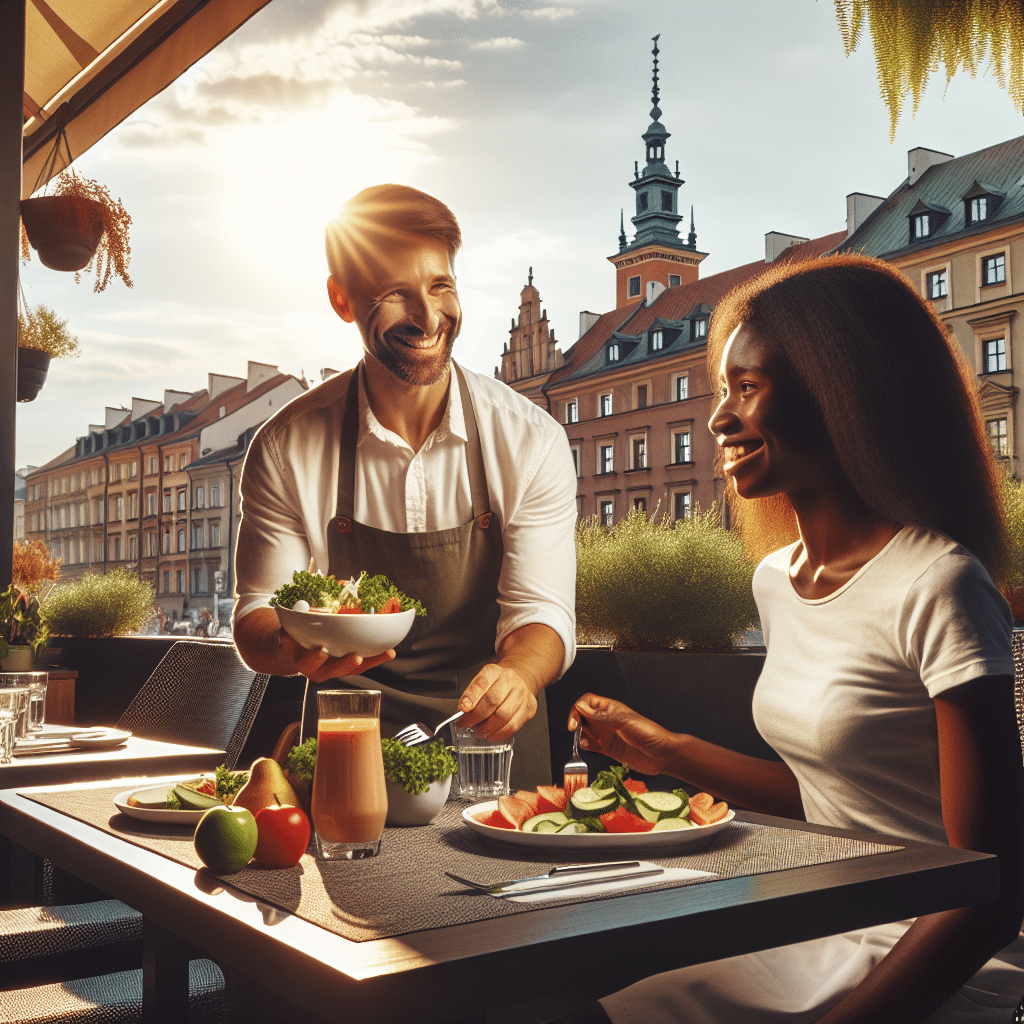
(576, 767)
(417, 733)
(553, 879)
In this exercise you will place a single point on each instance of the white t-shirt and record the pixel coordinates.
(289, 492)
(845, 696)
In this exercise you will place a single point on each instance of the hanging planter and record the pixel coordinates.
(32, 367)
(42, 336)
(78, 226)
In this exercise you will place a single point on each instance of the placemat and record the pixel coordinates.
(404, 889)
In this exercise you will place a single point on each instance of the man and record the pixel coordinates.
(455, 487)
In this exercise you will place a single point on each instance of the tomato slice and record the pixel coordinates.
(391, 606)
(349, 611)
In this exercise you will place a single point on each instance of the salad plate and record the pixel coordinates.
(555, 842)
(161, 815)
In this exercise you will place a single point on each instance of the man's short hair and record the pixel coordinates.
(382, 217)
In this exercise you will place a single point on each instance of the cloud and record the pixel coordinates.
(498, 43)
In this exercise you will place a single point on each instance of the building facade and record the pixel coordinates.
(155, 489)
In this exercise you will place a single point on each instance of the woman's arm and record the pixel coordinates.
(612, 728)
(982, 781)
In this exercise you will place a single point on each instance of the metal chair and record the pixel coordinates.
(200, 693)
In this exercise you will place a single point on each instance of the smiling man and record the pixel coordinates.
(448, 482)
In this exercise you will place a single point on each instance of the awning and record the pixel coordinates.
(91, 63)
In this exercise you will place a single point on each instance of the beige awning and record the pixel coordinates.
(91, 63)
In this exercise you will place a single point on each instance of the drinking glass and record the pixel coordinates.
(8, 723)
(37, 700)
(484, 765)
(16, 700)
(350, 801)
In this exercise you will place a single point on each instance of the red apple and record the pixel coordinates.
(283, 836)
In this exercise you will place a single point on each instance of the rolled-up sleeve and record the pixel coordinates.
(272, 541)
(538, 574)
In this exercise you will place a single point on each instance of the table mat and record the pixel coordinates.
(404, 890)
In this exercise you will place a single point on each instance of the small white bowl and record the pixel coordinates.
(419, 808)
(365, 635)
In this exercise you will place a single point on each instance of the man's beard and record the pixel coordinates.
(416, 371)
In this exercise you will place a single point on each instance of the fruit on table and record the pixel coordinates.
(267, 786)
(226, 838)
(283, 836)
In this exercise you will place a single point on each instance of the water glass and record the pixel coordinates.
(350, 801)
(16, 700)
(8, 723)
(37, 701)
(484, 765)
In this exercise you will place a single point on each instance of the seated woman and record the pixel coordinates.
(849, 417)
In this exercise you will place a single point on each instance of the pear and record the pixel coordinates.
(267, 786)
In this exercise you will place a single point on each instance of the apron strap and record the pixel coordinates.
(350, 439)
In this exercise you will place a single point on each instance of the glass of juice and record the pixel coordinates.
(350, 802)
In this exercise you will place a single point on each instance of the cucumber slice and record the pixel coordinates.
(555, 817)
(655, 806)
(548, 826)
(573, 827)
(585, 803)
(671, 824)
(193, 801)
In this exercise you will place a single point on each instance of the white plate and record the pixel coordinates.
(76, 739)
(158, 814)
(555, 841)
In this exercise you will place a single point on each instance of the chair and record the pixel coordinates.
(200, 693)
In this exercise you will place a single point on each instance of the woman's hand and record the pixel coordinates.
(612, 728)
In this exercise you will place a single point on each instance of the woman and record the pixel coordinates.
(848, 418)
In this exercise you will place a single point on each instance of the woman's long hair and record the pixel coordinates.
(891, 389)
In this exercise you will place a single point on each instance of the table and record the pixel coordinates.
(445, 973)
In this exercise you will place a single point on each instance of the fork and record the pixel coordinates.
(417, 733)
(502, 888)
(577, 766)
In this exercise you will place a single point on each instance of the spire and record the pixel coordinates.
(530, 279)
(655, 109)
(622, 230)
(691, 240)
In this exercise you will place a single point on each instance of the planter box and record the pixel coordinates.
(707, 695)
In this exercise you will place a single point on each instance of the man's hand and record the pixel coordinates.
(318, 666)
(499, 702)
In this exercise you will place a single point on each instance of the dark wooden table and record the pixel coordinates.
(294, 968)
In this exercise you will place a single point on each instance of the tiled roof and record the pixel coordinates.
(697, 297)
(998, 169)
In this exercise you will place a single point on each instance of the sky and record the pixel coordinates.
(524, 116)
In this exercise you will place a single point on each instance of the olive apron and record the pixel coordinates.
(454, 574)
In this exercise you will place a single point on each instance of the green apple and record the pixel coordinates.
(226, 839)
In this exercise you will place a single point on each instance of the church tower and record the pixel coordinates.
(531, 353)
(657, 258)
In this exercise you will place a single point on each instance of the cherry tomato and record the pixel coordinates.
(283, 836)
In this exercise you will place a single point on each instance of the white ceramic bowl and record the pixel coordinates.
(365, 635)
(419, 808)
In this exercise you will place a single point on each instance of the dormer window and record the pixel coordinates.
(700, 328)
(657, 340)
(980, 202)
(613, 352)
(978, 210)
(922, 225)
(925, 220)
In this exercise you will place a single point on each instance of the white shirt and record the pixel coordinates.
(290, 482)
(846, 693)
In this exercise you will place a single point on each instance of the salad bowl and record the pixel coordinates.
(362, 634)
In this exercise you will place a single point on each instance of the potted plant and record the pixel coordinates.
(22, 630)
(42, 336)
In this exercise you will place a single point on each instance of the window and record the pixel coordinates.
(666, 201)
(681, 505)
(214, 535)
(133, 548)
(99, 549)
(997, 438)
(993, 269)
(182, 460)
(657, 340)
(606, 458)
(638, 452)
(640, 505)
(604, 405)
(682, 388)
(995, 355)
(117, 549)
(613, 352)
(214, 495)
(133, 470)
(118, 511)
(673, 280)
(572, 412)
(634, 287)
(179, 579)
(577, 460)
(167, 542)
(643, 201)
(607, 513)
(151, 503)
(681, 446)
(167, 582)
(700, 328)
(133, 505)
(150, 545)
(200, 494)
(979, 210)
(641, 396)
(922, 225)
(167, 463)
(152, 465)
(197, 535)
(936, 284)
(181, 500)
(97, 510)
(181, 540)
(197, 580)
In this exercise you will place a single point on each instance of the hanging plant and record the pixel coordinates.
(42, 336)
(912, 37)
(78, 226)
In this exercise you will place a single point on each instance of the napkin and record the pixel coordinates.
(594, 885)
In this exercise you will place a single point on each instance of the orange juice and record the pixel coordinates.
(350, 802)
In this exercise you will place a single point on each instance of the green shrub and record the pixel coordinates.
(646, 584)
(94, 605)
(1013, 509)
